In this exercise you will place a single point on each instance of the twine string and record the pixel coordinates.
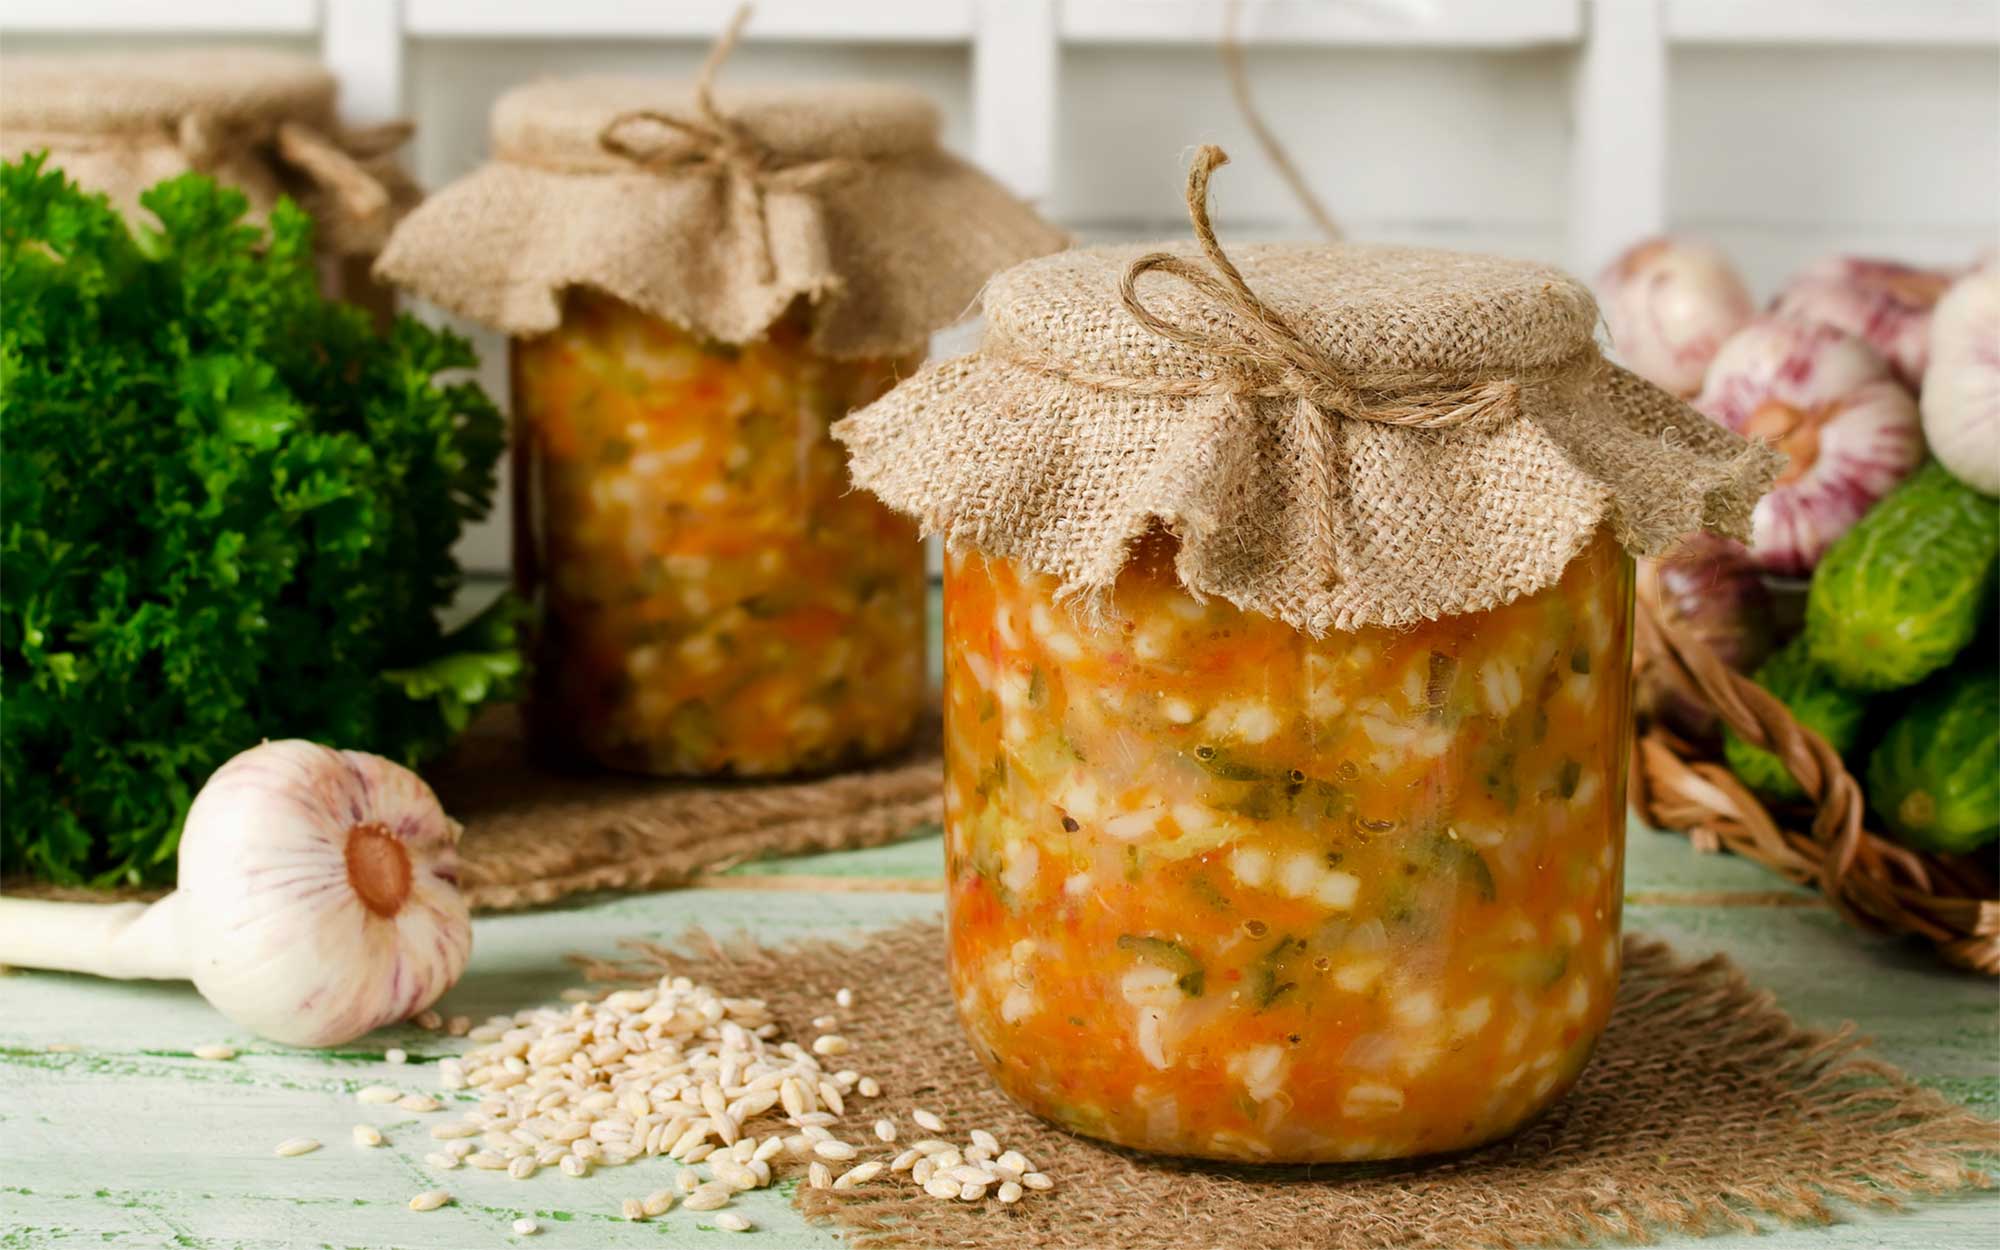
(723, 147)
(333, 162)
(1272, 357)
(1274, 150)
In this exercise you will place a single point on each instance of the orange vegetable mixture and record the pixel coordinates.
(712, 597)
(1220, 889)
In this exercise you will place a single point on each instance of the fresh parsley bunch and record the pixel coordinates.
(227, 511)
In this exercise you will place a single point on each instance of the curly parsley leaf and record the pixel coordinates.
(227, 514)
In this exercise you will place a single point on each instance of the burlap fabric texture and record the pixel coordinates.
(263, 122)
(1339, 435)
(717, 209)
(533, 836)
(1706, 1110)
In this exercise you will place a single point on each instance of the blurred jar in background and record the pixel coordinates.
(262, 122)
(698, 283)
(712, 596)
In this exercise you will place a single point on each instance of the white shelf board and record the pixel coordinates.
(1362, 23)
(876, 21)
(162, 17)
(1879, 23)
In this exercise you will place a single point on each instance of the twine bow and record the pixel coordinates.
(1275, 359)
(331, 162)
(723, 147)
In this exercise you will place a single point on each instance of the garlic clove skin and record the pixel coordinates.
(1798, 362)
(1961, 399)
(1670, 304)
(320, 893)
(1886, 304)
(1850, 432)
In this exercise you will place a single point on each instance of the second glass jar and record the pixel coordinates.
(711, 598)
(1221, 889)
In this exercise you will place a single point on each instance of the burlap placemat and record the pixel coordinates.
(1707, 1109)
(534, 835)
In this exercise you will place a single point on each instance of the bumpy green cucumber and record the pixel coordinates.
(1815, 699)
(1935, 778)
(1897, 596)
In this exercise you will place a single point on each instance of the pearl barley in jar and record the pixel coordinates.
(698, 282)
(1288, 643)
(712, 596)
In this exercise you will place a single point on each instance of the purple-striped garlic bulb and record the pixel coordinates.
(1826, 399)
(1885, 303)
(318, 899)
(1961, 400)
(1670, 303)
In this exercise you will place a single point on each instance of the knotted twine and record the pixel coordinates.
(260, 122)
(1337, 435)
(219, 147)
(719, 210)
(1273, 359)
(724, 148)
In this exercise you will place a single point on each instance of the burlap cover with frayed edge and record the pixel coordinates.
(260, 121)
(717, 210)
(1705, 1110)
(1339, 435)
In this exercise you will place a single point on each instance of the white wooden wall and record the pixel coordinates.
(1557, 129)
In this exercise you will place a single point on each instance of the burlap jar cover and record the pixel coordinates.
(718, 210)
(263, 122)
(1339, 435)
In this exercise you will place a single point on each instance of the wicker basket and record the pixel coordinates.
(1950, 901)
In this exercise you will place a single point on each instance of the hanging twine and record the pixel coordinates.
(335, 164)
(1274, 151)
(724, 148)
(1273, 359)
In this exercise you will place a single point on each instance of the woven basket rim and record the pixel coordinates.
(1951, 902)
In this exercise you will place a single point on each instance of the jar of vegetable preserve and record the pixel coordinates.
(262, 122)
(697, 284)
(713, 597)
(1288, 628)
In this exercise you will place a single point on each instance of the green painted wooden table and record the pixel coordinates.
(111, 1132)
(129, 1140)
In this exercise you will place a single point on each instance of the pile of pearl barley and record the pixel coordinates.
(685, 1071)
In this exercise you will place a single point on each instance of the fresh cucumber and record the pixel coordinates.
(1935, 778)
(1897, 596)
(1815, 699)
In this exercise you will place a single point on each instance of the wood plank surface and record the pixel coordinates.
(128, 1140)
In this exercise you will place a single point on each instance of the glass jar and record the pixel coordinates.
(711, 597)
(1218, 888)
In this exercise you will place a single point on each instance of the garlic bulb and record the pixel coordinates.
(1880, 301)
(318, 900)
(1961, 400)
(1827, 400)
(1670, 303)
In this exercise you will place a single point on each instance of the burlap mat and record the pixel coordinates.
(534, 835)
(1706, 1110)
